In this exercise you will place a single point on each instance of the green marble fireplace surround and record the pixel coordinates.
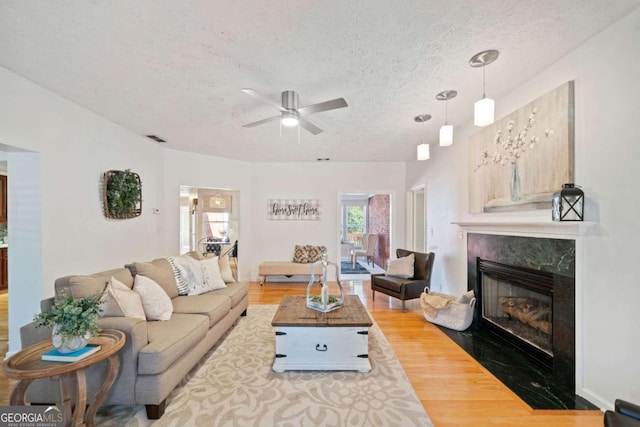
(548, 384)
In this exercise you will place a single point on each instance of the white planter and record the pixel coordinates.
(68, 345)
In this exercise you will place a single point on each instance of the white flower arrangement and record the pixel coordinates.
(512, 146)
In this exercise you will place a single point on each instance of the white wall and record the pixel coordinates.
(274, 240)
(201, 171)
(75, 147)
(607, 151)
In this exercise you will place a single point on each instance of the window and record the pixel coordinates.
(216, 226)
(354, 222)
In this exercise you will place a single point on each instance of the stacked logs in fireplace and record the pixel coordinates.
(529, 311)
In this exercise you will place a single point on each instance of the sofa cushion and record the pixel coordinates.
(155, 301)
(160, 271)
(170, 340)
(84, 286)
(394, 284)
(212, 305)
(236, 291)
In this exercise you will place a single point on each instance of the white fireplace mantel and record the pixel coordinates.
(550, 229)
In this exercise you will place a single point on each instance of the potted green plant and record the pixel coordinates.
(74, 321)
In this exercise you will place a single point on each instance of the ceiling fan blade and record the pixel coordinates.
(307, 125)
(322, 106)
(263, 99)
(260, 122)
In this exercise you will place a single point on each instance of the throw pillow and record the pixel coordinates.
(183, 286)
(128, 302)
(110, 307)
(225, 269)
(212, 277)
(314, 253)
(155, 301)
(189, 273)
(401, 267)
(301, 254)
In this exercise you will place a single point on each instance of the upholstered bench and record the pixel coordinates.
(287, 268)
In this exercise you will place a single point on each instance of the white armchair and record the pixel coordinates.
(369, 242)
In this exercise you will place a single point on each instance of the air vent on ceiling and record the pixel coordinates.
(156, 138)
(323, 159)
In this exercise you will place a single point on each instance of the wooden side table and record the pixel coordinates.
(27, 366)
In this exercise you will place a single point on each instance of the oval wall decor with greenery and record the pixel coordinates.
(122, 194)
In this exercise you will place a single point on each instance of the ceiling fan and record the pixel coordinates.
(291, 115)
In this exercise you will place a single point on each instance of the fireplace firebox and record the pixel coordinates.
(519, 306)
(516, 304)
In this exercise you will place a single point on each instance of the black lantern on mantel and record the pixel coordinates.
(568, 204)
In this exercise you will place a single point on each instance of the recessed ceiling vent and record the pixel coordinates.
(156, 138)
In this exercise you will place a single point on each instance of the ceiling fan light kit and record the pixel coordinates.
(292, 115)
(290, 119)
(483, 111)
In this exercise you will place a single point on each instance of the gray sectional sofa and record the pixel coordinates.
(157, 354)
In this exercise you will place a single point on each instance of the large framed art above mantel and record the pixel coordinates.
(519, 161)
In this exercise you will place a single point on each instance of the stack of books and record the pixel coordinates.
(55, 356)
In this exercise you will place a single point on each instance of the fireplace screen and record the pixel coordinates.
(517, 310)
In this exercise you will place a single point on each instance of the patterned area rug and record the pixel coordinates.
(235, 386)
(346, 267)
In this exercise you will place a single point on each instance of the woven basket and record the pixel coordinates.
(457, 316)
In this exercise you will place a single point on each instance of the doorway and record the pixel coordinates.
(361, 214)
(209, 220)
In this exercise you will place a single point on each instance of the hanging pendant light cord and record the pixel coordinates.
(446, 112)
(483, 80)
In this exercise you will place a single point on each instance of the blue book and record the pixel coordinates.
(55, 356)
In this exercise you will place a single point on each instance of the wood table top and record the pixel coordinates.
(27, 365)
(293, 311)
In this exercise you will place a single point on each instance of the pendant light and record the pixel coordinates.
(446, 131)
(483, 111)
(423, 149)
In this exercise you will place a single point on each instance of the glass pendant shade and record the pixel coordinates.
(289, 119)
(423, 152)
(483, 112)
(446, 135)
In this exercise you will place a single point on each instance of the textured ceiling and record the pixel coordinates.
(175, 68)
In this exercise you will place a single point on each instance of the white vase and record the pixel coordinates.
(68, 345)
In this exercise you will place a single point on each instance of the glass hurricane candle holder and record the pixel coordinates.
(324, 301)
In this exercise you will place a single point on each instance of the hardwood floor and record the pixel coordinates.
(454, 389)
